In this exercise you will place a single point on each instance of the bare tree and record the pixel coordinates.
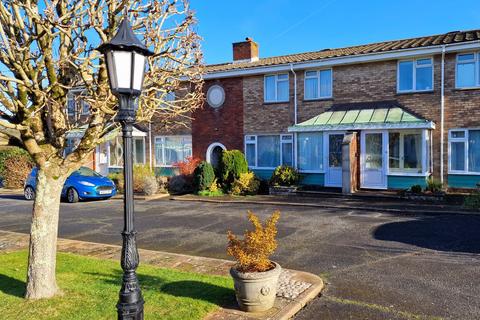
(47, 47)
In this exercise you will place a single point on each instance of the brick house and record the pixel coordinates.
(383, 115)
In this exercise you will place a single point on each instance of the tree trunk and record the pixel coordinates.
(41, 282)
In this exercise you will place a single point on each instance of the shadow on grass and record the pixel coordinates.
(12, 286)
(221, 296)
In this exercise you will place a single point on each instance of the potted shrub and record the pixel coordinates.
(284, 180)
(255, 276)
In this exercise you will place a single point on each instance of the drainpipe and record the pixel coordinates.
(150, 144)
(295, 155)
(442, 114)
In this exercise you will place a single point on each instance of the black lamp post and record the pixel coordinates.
(125, 59)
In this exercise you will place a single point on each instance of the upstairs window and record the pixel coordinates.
(276, 88)
(468, 70)
(318, 84)
(415, 75)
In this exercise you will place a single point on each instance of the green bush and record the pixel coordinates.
(416, 188)
(285, 176)
(472, 201)
(141, 172)
(203, 176)
(15, 166)
(246, 184)
(232, 165)
(434, 185)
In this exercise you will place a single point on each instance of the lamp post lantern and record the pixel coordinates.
(125, 58)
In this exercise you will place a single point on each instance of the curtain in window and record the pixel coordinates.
(405, 75)
(412, 151)
(457, 154)
(474, 151)
(466, 74)
(270, 88)
(158, 151)
(250, 154)
(394, 150)
(325, 83)
(139, 151)
(268, 151)
(310, 150)
(311, 88)
(287, 154)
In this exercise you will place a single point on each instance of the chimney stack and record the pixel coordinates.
(245, 51)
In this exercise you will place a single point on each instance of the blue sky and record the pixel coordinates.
(291, 26)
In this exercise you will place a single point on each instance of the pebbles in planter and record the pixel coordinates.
(289, 288)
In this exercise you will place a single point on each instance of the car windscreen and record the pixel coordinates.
(86, 172)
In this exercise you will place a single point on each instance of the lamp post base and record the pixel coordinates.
(127, 311)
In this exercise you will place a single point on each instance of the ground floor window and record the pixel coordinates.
(464, 151)
(310, 151)
(115, 151)
(269, 151)
(405, 151)
(170, 150)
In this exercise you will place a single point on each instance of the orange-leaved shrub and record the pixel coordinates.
(187, 167)
(253, 251)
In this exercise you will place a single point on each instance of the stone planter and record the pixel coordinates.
(256, 291)
(282, 190)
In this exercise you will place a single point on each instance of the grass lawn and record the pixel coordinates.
(90, 290)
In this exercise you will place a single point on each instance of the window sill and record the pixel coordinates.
(466, 89)
(318, 99)
(408, 174)
(414, 92)
(275, 102)
(464, 173)
(311, 171)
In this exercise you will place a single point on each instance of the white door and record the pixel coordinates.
(373, 150)
(333, 172)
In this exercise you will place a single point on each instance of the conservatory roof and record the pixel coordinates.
(364, 115)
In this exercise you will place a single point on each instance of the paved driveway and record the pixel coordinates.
(377, 265)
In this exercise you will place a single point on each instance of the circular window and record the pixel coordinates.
(215, 96)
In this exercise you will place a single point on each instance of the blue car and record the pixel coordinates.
(82, 184)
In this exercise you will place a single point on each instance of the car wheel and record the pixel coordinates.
(29, 193)
(72, 195)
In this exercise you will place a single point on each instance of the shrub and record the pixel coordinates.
(188, 166)
(150, 186)
(246, 184)
(253, 251)
(140, 174)
(433, 185)
(285, 176)
(117, 178)
(232, 164)
(180, 185)
(472, 201)
(15, 166)
(204, 176)
(416, 188)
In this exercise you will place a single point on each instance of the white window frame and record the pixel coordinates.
(476, 61)
(123, 150)
(414, 79)
(465, 141)
(253, 141)
(157, 165)
(276, 87)
(402, 171)
(322, 170)
(317, 76)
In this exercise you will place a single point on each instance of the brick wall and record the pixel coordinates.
(224, 124)
(367, 82)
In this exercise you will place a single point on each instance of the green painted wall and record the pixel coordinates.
(317, 179)
(405, 182)
(264, 174)
(463, 181)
